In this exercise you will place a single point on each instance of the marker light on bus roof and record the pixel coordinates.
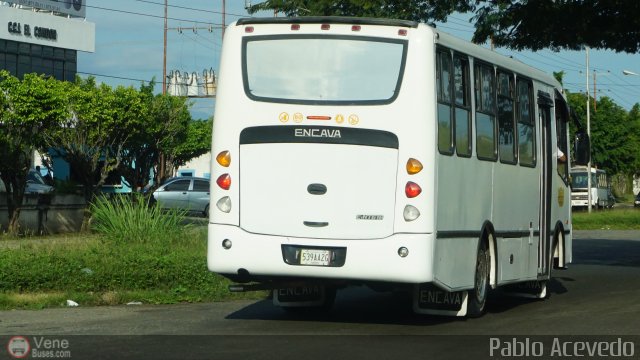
(325, 27)
(224, 158)
(224, 204)
(295, 26)
(355, 28)
(248, 29)
(402, 32)
(412, 189)
(410, 213)
(224, 181)
(413, 166)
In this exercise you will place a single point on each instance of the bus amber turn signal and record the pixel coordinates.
(413, 166)
(224, 158)
(224, 181)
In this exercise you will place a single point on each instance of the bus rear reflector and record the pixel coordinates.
(224, 158)
(410, 213)
(224, 181)
(224, 204)
(413, 166)
(412, 189)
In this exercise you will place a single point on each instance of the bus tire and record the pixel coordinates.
(477, 298)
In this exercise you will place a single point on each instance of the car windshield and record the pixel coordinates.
(35, 177)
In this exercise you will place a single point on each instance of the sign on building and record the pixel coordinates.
(70, 7)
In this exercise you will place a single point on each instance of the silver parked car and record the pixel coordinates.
(184, 193)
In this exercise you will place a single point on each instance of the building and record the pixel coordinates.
(44, 36)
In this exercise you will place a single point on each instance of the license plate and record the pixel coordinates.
(315, 257)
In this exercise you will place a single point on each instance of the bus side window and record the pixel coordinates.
(506, 126)
(485, 112)
(526, 124)
(443, 83)
(462, 106)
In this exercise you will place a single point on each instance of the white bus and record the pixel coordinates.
(601, 196)
(353, 151)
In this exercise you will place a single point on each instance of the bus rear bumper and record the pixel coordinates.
(262, 256)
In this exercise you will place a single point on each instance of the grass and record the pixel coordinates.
(612, 219)
(162, 262)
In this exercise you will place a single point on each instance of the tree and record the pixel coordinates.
(140, 154)
(197, 142)
(417, 10)
(515, 24)
(28, 110)
(169, 121)
(615, 144)
(92, 137)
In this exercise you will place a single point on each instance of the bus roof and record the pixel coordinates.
(328, 19)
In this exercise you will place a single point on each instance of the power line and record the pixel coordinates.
(190, 8)
(153, 16)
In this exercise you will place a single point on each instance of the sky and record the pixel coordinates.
(129, 48)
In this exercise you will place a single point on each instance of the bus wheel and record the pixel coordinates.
(478, 296)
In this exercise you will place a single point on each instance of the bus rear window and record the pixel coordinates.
(327, 69)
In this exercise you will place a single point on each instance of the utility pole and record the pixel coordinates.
(589, 196)
(164, 52)
(224, 24)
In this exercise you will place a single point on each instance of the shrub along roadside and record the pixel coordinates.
(139, 254)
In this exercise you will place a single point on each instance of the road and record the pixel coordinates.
(598, 297)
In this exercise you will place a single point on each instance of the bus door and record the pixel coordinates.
(545, 104)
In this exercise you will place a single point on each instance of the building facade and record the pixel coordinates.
(43, 38)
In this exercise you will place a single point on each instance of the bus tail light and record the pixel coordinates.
(413, 166)
(224, 158)
(410, 213)
(412, 189)
(224, 204)
(224, 181)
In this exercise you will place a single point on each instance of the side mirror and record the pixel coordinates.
(582, 147)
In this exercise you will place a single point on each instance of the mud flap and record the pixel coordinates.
(430, 299)
(300, 296)
(527, 289)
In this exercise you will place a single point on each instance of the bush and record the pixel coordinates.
(131, 219)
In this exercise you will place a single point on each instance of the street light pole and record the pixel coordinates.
(589, 196)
